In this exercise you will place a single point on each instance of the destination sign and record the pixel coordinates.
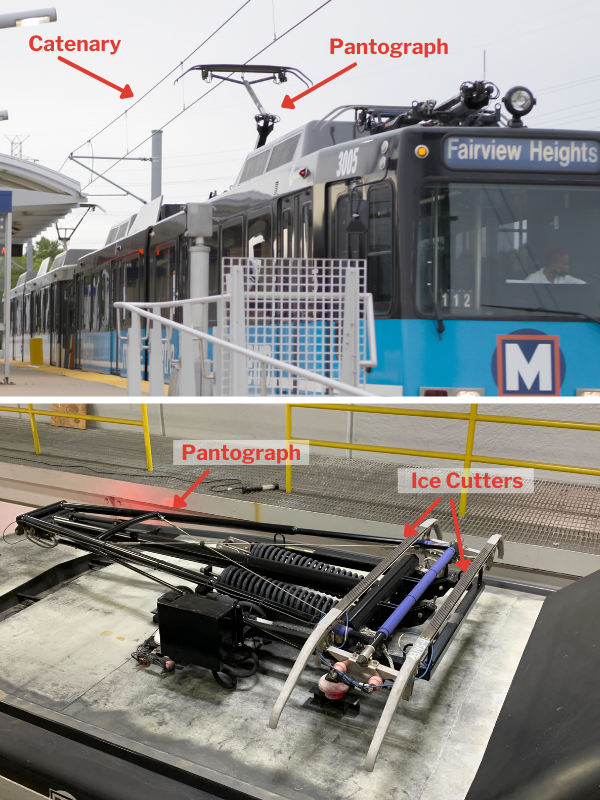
(539, 155)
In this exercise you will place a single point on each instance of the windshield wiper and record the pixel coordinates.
(546, 311)
(440, 327)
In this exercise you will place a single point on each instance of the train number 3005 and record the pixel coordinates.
(347, 162)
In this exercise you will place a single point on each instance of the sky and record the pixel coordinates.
(548, 46)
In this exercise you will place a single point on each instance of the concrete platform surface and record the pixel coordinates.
(31, 381)
(70, 653)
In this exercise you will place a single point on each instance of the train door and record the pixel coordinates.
(162, 287)
(376, 244)
(68, 349)
(127, 285)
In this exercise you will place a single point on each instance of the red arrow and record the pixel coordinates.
(179, 502)
(409, 530)
(125, 91)
(288, 102)
(462, 563)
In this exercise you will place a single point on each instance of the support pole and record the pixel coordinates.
(288, 436)
(147, 446)
(34, 430)
(462, 508)
(199, 223)
(7, 282)
(134, 357)
(156, 181)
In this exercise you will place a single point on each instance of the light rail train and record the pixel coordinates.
(482, 241)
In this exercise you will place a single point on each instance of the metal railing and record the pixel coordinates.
(468, 457)
(285, 326)
(33, 412)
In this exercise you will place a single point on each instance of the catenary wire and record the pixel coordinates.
(202, 96)
(139, 100)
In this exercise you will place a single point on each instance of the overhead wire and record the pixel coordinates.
(216, 85)
(139, 100)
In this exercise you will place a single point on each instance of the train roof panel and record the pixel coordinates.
(44, 267)
(69, 258)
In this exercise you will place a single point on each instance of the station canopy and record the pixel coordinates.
(40, 196)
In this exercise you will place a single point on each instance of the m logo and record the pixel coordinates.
(528, 363)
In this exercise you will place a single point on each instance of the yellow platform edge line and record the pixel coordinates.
(97, 377)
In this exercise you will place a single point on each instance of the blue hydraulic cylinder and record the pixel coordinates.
(392, 622)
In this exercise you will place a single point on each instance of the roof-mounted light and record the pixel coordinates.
(518, 101)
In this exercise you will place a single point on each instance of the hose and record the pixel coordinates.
(286, 594)
(274, 553)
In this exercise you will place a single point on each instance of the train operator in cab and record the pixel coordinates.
(556, 269)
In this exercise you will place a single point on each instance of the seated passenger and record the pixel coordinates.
(556, 269)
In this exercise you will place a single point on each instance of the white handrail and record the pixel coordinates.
(367, 297)
(274, 362)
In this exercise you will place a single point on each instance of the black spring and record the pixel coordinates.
(286, 594)
(273, 553)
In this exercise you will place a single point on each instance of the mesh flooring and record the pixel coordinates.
(561, 515)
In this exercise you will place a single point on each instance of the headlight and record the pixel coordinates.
(519, 101)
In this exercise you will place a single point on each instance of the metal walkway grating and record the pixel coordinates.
(561, 515)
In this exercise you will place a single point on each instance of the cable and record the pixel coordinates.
(202, 96)
(88, 141)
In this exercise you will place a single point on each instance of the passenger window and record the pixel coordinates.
(87, 303)
(232, 244)
(163, 289)
(260, 242)
(306, 249)
(105, 300)
(96, 301)
(287, 234)
(379, 254)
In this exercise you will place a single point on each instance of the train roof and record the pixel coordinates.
(62, 268)
(311, 137)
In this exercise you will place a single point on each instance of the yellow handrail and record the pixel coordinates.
(468, 457)
(33, 412)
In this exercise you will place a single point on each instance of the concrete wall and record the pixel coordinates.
(267, 421)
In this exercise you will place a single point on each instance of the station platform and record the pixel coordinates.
(29, 380)
(555, 530)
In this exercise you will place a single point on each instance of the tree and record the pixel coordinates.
(42, 249)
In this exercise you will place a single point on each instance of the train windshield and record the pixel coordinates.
(516, 246)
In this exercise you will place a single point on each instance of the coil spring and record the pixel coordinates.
(274, 553)
(286, 594)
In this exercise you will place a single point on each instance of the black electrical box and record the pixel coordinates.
(196, 630)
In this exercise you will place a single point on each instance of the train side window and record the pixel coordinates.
(287, 234)
(127, 286)
(87, 303)
(37, 312)
(306, 242)
(105, 300)
(379, 254)
(162, 287)
(260, 236)
(232, 242)
(96, 301)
